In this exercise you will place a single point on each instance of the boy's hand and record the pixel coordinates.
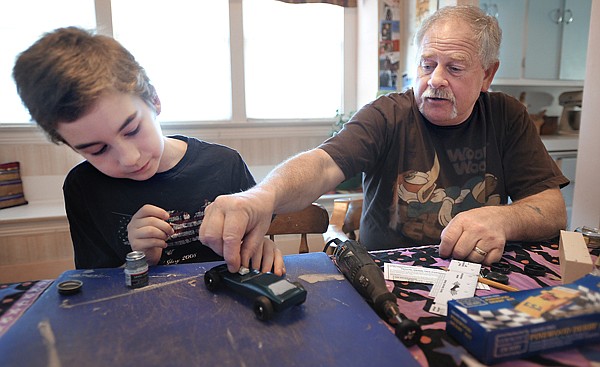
(148, 232)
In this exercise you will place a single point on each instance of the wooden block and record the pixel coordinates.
(575, 259)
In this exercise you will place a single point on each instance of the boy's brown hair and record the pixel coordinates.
(62, 75)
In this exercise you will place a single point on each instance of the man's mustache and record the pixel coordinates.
(439, 93)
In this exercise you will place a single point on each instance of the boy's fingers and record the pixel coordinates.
(151, 211)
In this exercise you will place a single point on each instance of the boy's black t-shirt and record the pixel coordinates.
(100, 207)
(418, 176)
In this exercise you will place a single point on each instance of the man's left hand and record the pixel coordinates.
(474, 236)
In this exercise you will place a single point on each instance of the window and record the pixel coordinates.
(229, 61)
(294, 62)
(22, 24)
(184, 47)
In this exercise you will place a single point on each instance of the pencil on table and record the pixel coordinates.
(494, 284)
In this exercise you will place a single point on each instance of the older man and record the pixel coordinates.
(447, 162)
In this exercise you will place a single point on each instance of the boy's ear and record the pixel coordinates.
(156, 103)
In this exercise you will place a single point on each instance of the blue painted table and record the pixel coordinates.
(176, 321)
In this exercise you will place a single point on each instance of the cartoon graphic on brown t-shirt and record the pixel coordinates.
(421, 209)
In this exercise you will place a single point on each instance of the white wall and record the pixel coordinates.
(586, 201)
(368, 33)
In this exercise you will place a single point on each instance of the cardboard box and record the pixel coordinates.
(574, 256)
(513, 325)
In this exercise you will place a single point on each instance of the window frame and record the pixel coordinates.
(104, 25)
(239, 125)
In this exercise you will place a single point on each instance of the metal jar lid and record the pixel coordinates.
(135, 255)
(136, 260)
(68, 287)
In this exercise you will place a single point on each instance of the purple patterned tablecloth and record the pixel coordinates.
(16, 298)
(436, 348)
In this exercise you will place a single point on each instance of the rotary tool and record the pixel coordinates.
(366, 277)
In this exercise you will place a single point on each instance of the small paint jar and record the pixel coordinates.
(136, 270)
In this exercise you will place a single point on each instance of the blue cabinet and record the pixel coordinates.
(541, 39)
(511, 17)
(576, 27)
(556, 43)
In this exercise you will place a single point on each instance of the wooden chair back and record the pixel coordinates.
(312, 219)
(352, 219)
(345, 219)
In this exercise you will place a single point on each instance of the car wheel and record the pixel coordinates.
(263, 308)
(212, 280)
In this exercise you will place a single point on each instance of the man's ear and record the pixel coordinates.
(488, 76)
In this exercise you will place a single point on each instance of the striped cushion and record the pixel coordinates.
(11, 186)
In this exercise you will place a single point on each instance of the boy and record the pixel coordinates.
(137, 189)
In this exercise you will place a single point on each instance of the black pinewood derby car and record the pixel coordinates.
(271, 293)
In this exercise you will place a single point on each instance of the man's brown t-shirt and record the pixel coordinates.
(418, 176)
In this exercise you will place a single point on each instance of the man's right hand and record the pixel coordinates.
(234, 226)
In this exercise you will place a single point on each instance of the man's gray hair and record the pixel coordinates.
(486, 31)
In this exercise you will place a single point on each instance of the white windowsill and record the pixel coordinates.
(33, 211)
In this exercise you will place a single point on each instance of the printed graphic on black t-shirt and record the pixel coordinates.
(186, 228)
(422, 207)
